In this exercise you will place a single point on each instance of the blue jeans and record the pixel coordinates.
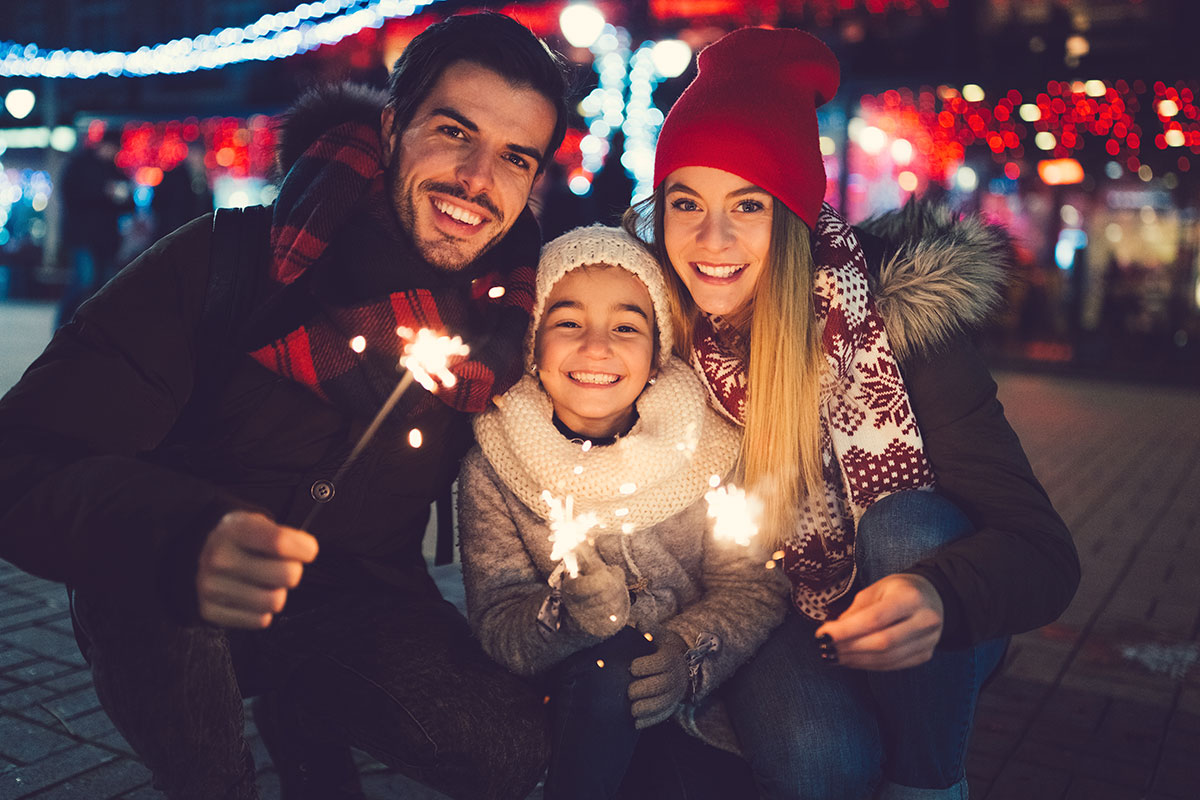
(815, 731)
(597, 754)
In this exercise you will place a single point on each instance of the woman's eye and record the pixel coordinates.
(684, 204)
(750, 206)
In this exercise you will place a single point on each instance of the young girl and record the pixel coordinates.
(609, 424)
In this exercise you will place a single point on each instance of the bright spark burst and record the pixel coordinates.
(427, 356)
(566, 530)
(735, 514)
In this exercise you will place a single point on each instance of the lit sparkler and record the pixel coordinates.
(425, 359)
(735, 513)
(567, 531)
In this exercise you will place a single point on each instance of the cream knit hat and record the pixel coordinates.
(600, 244)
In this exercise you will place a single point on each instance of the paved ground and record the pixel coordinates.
(1102, 705)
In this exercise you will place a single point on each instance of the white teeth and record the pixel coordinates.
(593, 377)
(460, 214)
(722, 271)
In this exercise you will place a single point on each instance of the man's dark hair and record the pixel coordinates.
(491, 40)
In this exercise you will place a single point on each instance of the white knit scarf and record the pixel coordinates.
(658, 469)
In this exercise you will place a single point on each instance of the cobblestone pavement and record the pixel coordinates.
(1102, 705)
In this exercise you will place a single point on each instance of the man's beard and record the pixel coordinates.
(441, 251)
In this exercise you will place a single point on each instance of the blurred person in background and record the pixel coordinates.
(95, 194)
(183, 194)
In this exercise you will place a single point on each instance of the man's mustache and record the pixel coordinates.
(456, 191)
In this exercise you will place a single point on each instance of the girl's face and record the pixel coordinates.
(595, 348)
(717, 232)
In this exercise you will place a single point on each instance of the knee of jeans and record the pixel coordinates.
(597, 679)
(902, 528)
(802, 773)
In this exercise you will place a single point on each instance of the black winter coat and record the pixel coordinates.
(102, 490)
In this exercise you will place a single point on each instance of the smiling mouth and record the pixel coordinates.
(594, 378)
(718, 270)
(457, 213)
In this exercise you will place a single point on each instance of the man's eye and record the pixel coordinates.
(452, 131)
(518, 160)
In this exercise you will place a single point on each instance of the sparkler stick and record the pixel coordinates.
(567, 531)
(735, 513)
(426, 360)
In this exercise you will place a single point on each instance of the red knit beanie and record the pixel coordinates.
(752, 111)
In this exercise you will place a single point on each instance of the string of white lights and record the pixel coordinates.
(271, 36)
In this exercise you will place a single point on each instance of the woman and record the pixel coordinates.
(914, 533)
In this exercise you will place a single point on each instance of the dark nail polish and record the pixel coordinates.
(825, 639)
(829, 656)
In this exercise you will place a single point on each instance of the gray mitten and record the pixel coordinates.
(596, 598)
(660, 680)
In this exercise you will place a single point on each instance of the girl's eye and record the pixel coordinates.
(627, 329)
(566, 323)
(684, 204)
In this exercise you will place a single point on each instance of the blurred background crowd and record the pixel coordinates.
(1075, 123)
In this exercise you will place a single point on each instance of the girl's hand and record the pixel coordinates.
(892, 624)
(597, 598)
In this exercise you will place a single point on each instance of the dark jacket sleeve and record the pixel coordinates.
(80, 502)
(1019, 570)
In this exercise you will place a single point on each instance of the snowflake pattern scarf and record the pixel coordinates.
(870, 442)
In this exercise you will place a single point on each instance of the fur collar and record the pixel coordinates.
(320, 109)
(941, 275)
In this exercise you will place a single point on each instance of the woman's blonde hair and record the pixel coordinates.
(781, 446)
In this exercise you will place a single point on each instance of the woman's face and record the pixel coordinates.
(595, 348)
(717, 232)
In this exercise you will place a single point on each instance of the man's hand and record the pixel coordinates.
(660, 680)
(247, 565)
(892, 624)
(597, 598)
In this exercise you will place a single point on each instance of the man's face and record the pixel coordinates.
(462, 170)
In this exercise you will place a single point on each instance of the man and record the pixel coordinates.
(95, 193)
(170, 495)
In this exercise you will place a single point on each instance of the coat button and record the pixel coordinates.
(322, 491)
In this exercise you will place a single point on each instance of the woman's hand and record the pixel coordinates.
(894, 623)
(596, 598)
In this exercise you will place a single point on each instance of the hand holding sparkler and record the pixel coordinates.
(596, 597)
(246, 567)
(735, 513)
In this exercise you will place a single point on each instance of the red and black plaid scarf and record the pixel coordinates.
(338, 253)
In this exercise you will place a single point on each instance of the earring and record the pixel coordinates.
(652, 381)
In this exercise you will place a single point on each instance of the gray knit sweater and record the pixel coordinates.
(694, 586)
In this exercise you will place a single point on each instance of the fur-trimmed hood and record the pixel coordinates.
(318, 110)
(941, 274)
